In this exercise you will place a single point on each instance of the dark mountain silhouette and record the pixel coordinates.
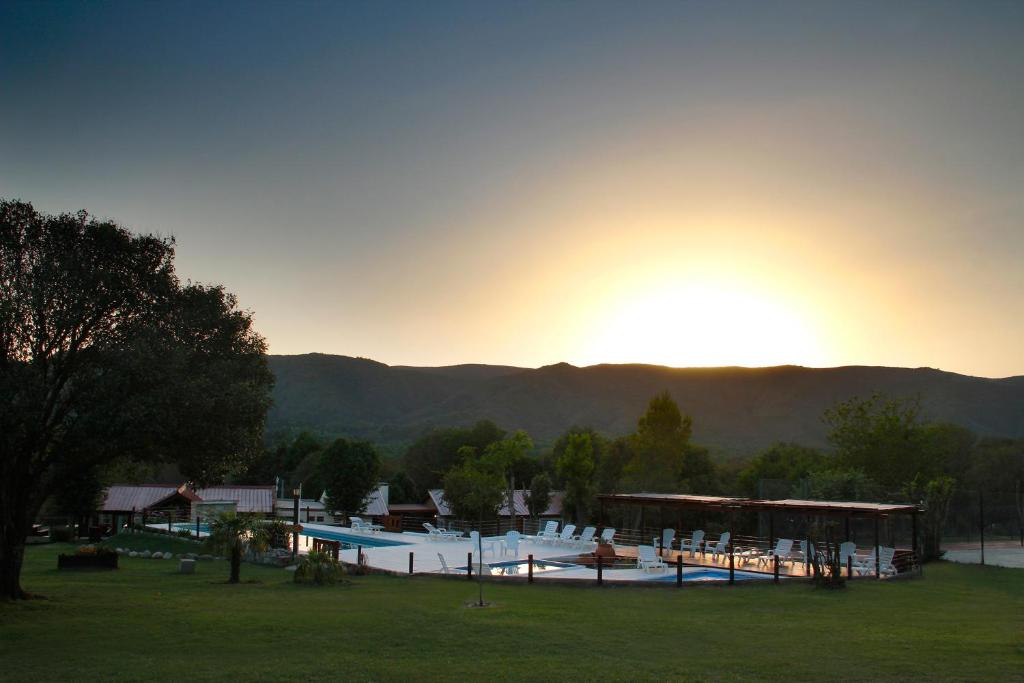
(735, 410)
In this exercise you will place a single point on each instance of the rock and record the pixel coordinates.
(187, 566)
(157, 555)
(206, 557)
(133, 554)
(218, 558)
(291, 568)
(145, 554)
(191, 556)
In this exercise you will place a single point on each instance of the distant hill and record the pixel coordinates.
(735, 410)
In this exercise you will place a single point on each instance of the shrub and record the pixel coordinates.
(62, 534)
(184, 533)
(320, 569)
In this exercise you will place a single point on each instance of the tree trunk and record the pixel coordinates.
(236, 562)
(17, 510)
(12, 553)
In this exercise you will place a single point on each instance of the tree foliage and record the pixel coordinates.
(789, 462)
(474, 489)
(539, 498)
(432, 455)
(659, 445)
(104, 355)
(575, 467)
(230, 532)
(350, 471)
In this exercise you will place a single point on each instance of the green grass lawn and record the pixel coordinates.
(145, 622)
(155, 542)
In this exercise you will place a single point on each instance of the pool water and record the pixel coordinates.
(521, 567)
(709, 574)
(348, 540)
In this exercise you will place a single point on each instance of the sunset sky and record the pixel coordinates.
(527, 183)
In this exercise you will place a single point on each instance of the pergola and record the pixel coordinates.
(809, 508)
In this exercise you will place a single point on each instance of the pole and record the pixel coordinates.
(295, 526)
(359, 556)
(600, 567)
(732, 569)
(878, 564)
(849, 566)
(529, 568)
(981, 523)
(410, 562)
(771, 530)
(480, 574)
(679, 570)
(197, 525)
(913, 532)
(469, 565)
(775, 568)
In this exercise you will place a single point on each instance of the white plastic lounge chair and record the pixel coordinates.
(483, 544)
(647, 558)
(510, 544)
(586, 539)
(667, 536)
(359, 524)
(435, 534)
(783, 548)
(719, 548)
(444, 565)
(548, 533)
(885, 557)
(693, 545)
(567, 534)
(607, 535)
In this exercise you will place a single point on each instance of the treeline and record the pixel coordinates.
(881, 448)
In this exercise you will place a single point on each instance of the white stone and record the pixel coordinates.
(145, 554)
(133, 554)
(157, 555)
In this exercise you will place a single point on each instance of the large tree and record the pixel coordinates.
(106, 355)
(659, 446)
(350, 470)
(575, 467)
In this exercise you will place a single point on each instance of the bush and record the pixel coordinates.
(183, 533)
(320, 569)
(62, 534)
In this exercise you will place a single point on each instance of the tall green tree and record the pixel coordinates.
(350, 471)
(475, 488)
(883, 437)
(105, 354)
(787, 463)
(431, 456)
(575, 467)
(659, 445)
(539, 498)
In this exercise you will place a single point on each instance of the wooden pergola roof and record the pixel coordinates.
(807, 507)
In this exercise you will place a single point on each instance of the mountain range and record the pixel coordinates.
(736, 411)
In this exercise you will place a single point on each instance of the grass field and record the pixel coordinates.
(145, 622)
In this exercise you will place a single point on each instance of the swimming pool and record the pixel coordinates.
(521, 567)
(709, 574)
(348, 540)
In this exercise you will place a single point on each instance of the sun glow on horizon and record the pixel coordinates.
(704, 324)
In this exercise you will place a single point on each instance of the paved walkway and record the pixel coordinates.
(1000, 554)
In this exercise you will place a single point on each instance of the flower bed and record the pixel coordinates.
(88, 557)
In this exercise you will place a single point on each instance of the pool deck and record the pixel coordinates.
(426, 550)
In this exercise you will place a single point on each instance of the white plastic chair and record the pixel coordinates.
(510, 544)
(586, 539)
(693, 545)
(720, 548)
(444, 565)
(482, 543)
(783, 548)
(549, 532)
(566, 535)
(607, 535)
(647, 558)
(667, 537)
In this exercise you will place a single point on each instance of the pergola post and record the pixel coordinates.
(913, 542)
(849, 536)
(878, 562)
(771, 531)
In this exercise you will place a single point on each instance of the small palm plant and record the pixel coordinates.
(230, 533)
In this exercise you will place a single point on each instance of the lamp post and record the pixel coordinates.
(295, 521)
